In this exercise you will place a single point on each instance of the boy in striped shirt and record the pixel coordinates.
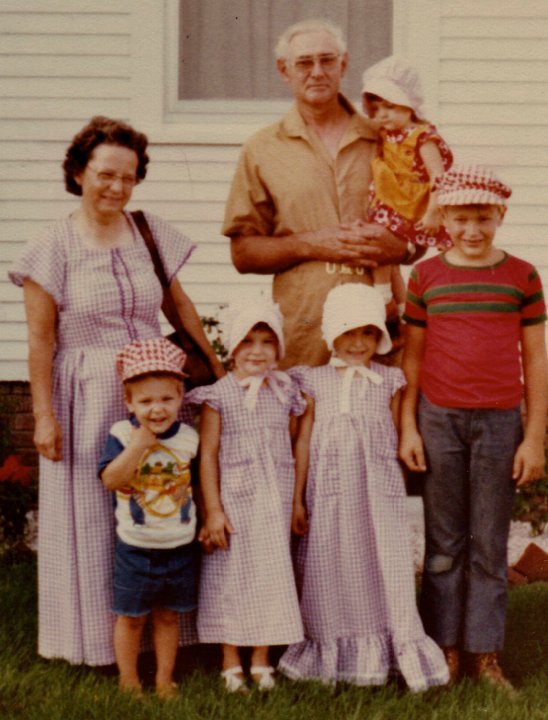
(474, 348)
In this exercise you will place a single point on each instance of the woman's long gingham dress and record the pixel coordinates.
(105, 299)
(354, 566)
(247, 593)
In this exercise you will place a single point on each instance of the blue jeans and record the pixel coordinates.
(468, 497)
(146, 578)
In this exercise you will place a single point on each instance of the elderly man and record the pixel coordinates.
(299, 195)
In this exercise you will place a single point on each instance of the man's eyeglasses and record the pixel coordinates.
(108, 178)
(304, 65)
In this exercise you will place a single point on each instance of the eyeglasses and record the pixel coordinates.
(108, 178)
(304, 65)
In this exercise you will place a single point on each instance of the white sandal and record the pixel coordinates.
(234, 679)
(263, 676)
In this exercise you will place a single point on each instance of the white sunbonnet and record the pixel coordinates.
(394, 79)
(354, 305)
(241, 316)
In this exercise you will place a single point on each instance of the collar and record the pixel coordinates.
(367, 374)
(278, 381)
(360, 127)
(169, 433)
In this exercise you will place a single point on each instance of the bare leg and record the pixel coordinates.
(127, 639)
(232, 672)
(259, 656)
(261, 672)
(231, 656)
(399, 290)
(165, 634)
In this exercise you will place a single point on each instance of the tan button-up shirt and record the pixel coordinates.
(286, 182)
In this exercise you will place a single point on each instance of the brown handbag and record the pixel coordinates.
(197, 364)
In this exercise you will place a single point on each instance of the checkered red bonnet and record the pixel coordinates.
(470, 185)
(155, 355)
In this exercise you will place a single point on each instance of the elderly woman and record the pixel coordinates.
(90, 288)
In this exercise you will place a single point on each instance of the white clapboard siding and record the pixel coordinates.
(62, 61)
(493, 106)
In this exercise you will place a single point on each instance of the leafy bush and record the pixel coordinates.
(531, 505)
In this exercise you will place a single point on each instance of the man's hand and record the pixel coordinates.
(388, 248)
(357, 244)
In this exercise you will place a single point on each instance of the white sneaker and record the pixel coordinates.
(235, 680)
(263, 677)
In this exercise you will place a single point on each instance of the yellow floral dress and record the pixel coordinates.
(401, 187)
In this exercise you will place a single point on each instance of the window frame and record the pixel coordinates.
(157, 110)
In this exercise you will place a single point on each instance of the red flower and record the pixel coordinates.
(14, 471)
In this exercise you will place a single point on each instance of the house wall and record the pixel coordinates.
(484, 70)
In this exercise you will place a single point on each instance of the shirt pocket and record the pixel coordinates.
(238, 477)
(386, 473)
(328, 480)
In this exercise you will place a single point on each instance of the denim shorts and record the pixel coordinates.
(145, 579)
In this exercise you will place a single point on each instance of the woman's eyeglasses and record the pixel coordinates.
(109, 178)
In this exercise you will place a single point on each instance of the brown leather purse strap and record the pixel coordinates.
(144, 228)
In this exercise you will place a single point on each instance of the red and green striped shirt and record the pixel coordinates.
(473, 318)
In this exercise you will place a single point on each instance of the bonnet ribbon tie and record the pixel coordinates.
(351, 370)
(276, 379)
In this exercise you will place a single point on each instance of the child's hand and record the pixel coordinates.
(430, 222)
(217, 528)
(203, 538)
(528, 463)
(299, 520)
(412, 451)
(143, 438)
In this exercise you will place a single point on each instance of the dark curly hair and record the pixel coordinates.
(102, 130)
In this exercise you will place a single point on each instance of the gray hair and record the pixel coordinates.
(307, 26)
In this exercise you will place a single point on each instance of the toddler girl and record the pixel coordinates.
(247, 589)
(411, 155)
(353, 560)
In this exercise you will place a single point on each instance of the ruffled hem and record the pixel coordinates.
(367, 661)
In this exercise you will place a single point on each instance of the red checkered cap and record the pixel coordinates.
(470, 185)
(155, 355)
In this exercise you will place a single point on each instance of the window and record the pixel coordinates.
(226, 47)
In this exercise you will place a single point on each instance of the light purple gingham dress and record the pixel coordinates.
(247, 593)
(354, 566)
(105, 299)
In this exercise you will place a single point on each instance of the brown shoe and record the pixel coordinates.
(452, 658)
(486, 667)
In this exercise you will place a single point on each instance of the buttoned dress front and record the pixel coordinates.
(247, 593)
(105, 299)
(355, 571)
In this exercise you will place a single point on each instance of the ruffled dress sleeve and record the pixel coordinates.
(397, 380)
(174, 247)
(301, 376)
(208, 394)
(297, 403)
(43, 261)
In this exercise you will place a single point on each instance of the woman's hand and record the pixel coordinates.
(48, 437)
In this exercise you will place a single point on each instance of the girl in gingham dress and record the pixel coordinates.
(353, 561)
(247, 590)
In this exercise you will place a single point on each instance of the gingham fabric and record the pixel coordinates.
(105, 298)
(354, 566)
(247, 593)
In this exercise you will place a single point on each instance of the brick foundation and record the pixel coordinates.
(17, 422)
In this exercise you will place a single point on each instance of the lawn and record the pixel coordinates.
(34, 689)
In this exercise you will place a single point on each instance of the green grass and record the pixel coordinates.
(35, 689)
